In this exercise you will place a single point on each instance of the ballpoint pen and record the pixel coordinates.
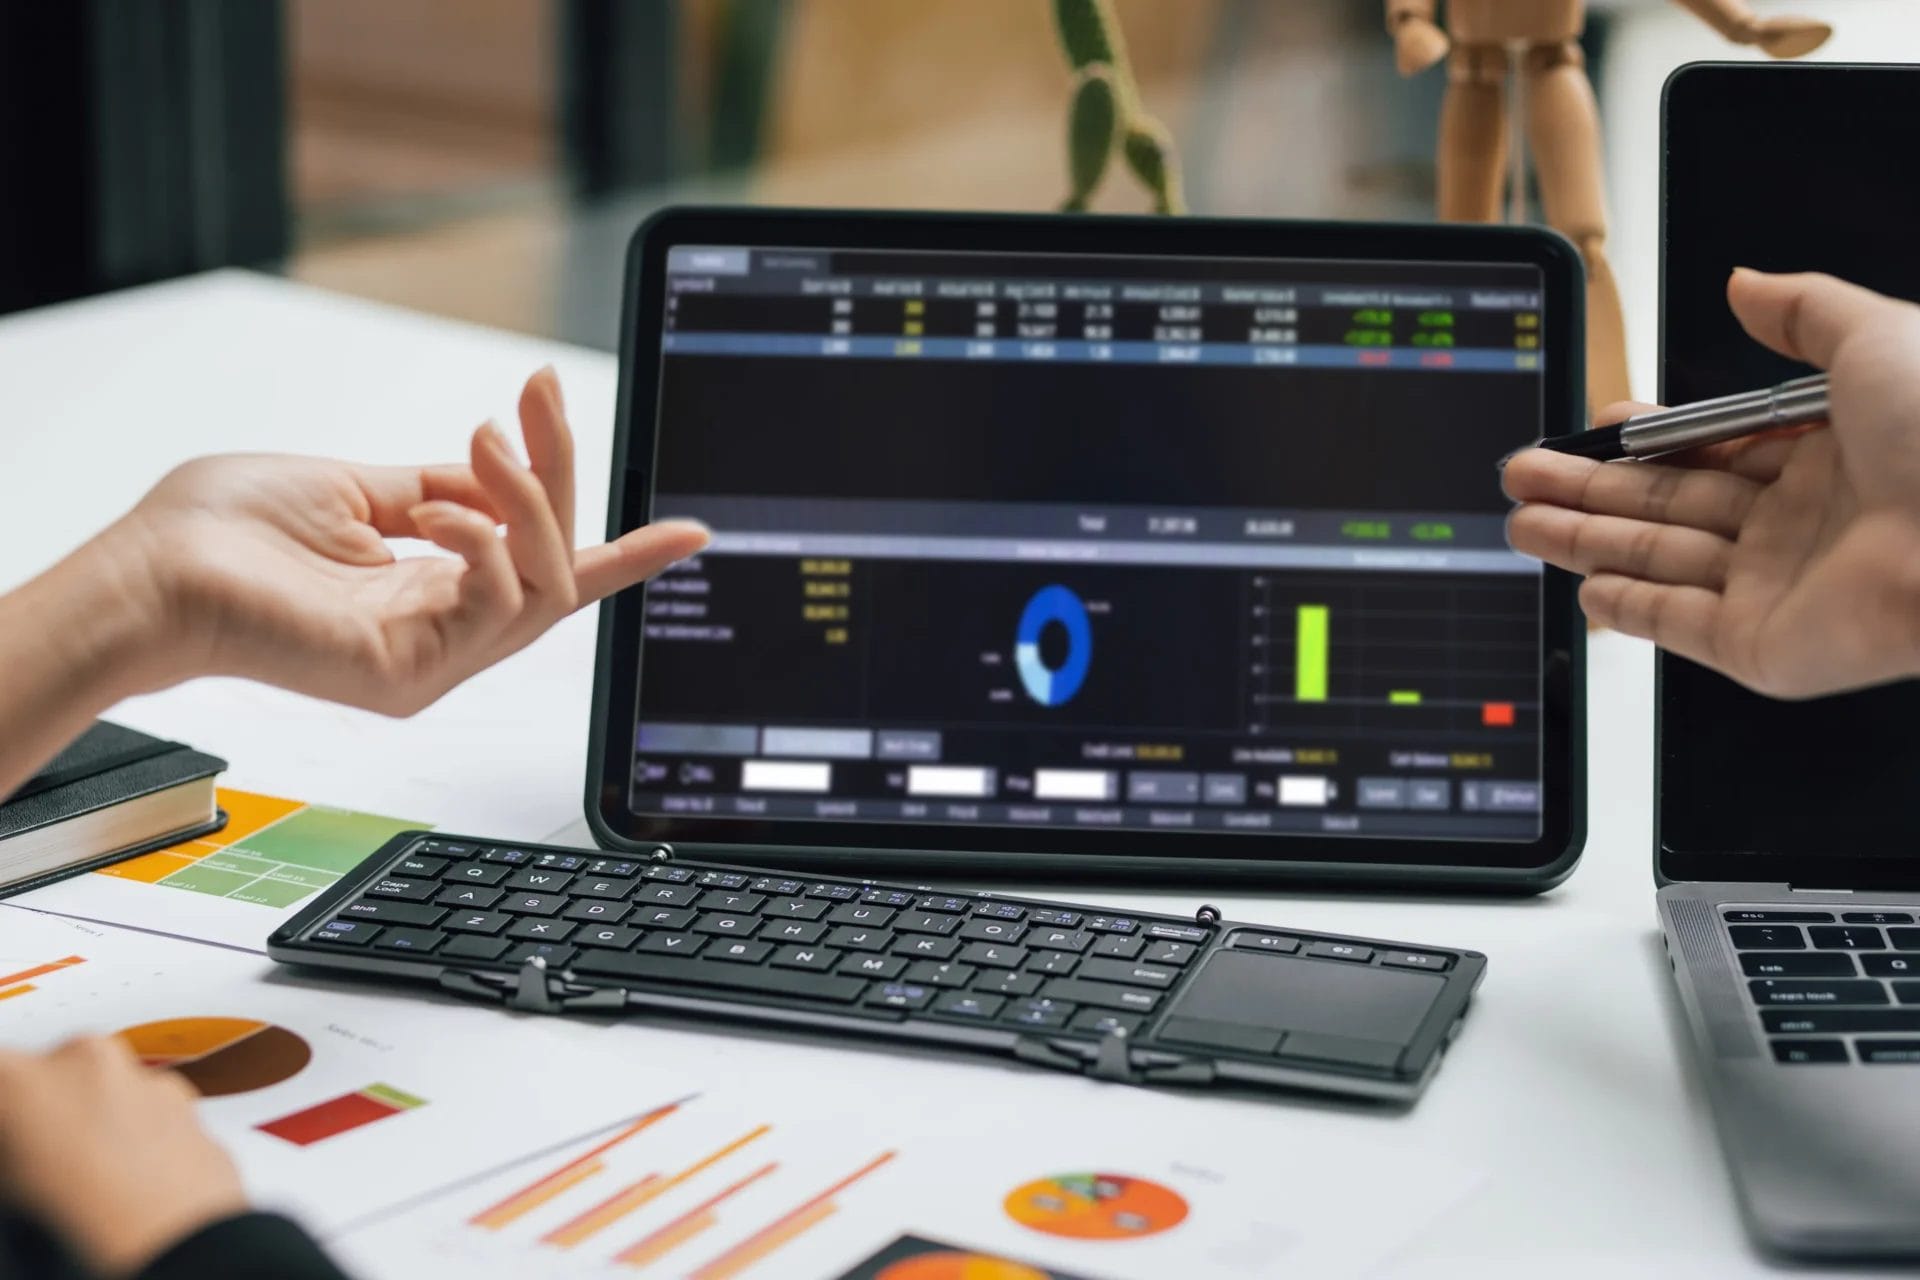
(1687, 426)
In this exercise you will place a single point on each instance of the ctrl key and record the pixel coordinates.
(1804, 1052)
(351, 933)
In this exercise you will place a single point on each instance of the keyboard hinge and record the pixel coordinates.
(1113, 1061)
(533, 990)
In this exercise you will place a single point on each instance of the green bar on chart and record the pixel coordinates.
(1404, 697)
(1310, 654)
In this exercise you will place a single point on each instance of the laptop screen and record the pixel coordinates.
(1084, 541)
(1751, 788)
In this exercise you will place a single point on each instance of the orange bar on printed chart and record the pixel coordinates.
(623, 1202)
(569, 1175)
(9, 989)
(797, 1222)
(687, 1225)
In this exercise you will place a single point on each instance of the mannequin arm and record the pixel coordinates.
(1399, 11)
(1781, 37)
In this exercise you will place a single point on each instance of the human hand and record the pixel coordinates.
(1785, 37)
(108, 1154)
(1417, 44)
(277, 568)
(1789, 561)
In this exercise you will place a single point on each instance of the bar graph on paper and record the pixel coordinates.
(21, 983)
(681, 1191)
(1396, 651)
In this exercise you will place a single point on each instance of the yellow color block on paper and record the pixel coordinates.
(248, 813)
(151, 867)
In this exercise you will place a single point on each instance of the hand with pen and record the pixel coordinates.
(1790, 561)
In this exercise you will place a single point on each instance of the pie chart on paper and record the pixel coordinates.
(1096, 1206)
(220, 1056)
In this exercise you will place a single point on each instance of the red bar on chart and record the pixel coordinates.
(341, 1115)
(1497, 715)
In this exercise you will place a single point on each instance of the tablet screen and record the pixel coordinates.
(1098, 542)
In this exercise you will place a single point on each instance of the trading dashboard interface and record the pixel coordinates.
(1094, 542)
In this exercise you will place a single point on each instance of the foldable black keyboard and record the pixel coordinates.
(1138, 998)
(1832, 986)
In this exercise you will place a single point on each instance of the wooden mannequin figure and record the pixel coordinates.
(1562, 124)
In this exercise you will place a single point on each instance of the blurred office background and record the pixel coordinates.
(486, 159)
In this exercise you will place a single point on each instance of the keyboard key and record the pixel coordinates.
(1877, 917)
(927, 922)
(1838, 1021)
(475, 896)
(862, 914)
(536, 880)
(602, 887)
(1219, 1035)
(1904, 939)
(669, 875)
(613, 868)
(967, 1005)
(534, 929)
(1887, 966)
(778, 888)
(1060, 939)
(667, 895)
(803, 932)
(1129, 973)
(1102, 994)
(1415, 960)
(924, 946)
(941, 974)
(944, 903)
(1120, 946)
(351, 933)
(1170, 953)
(993, 955)
(1888, 1052)
(403, 939)
(557, 954)
(420, 865)
(597, 911)
(797, 909)
(900, 995)
(1767, 937)
(1104, 1022)
(386, 911)
(662, 917)
(1054, 964)
(533, 904)
(1000, 982)
(819, 959)
(474, 946)
(860, 939)
(979, 930)
(508, 857)
(999, 911)
(1312, 1046)
(1798, 964)
(1339, 951)
(1799, 1052)
(612, 937)
(724, 900)
(1778, 917)
(886, 898)
(671, 944)
(1038, 1012)
(739, 951)
(1251, 940)
(567, 862)
(723, 925)
(1846, 937)
(834, 892)
(871, 966)
(404, 890)
(1907, 992)
(645, 966)
(722, 880)
(1058, 916)
(1161, 931)
(1833, 991)
(478, 873)
(1112, 924)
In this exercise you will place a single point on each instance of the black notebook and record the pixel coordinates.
(113, 793)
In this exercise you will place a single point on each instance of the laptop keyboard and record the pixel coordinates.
(1832, 986)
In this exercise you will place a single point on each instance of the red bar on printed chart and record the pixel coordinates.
(1497, 715)
(347, 1112)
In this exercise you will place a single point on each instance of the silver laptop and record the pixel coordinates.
(1787, 835)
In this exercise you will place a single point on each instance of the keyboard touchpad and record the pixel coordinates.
(1314, 997)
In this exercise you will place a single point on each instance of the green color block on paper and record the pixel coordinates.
(301, 875)
(274, 893)
(335, 840)
(393, 1097)
(240, 864)
(201, 879)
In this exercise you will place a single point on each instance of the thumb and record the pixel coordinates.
(1806, 316)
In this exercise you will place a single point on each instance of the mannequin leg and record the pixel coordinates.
(1563, 130)
(1473, 134)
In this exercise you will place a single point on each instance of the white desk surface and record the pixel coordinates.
(1566, 1086)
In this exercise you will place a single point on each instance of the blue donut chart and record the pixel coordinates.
(1052, 686)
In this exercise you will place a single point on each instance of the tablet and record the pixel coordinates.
(1093, 548)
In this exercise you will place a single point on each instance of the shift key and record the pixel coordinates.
(388, 911)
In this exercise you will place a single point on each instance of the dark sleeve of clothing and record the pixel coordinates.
(262, 1245)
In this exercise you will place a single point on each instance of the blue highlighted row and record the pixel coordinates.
(1080, 351)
